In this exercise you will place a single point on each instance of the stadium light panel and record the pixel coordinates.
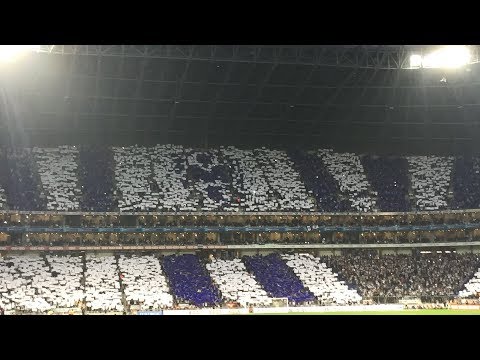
(415, 61)
(10, 53)
(448, 57)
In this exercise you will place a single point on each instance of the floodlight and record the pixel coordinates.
(11, 52)
(447, 57)
(415, 61)
(452, 56)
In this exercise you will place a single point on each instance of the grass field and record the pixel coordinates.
(401, 312)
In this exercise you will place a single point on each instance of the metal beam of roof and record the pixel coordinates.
(334, 56)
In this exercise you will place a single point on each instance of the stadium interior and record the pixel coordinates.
(238, 179)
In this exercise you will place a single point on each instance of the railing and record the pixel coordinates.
(66, 247)
(204, 229)
(240, 213)
(350, 222)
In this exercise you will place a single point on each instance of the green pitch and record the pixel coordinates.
(401, 312)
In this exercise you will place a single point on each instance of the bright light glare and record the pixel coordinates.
(452, 56)
(415, 61)
(11, 52)
(448, 57)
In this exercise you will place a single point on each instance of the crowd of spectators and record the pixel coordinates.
(20, 184)
(472, 287)
(277, 278)
(176, 178)
(118, 283)
(319, 181)
(173, 178)
(311, 222)
(236, 238)
(4, 181)
(389, 178)
(348, 172)
(190, 281)
(396, 276)
(95, 221)
(103, 290)
(96, 176)
(466, 183)
(110, 239)
(143, 282)
(430, 181)
(58, 170)
(320, 280)
(236, 284)
(281, 220)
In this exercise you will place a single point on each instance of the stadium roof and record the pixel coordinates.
(342, 95)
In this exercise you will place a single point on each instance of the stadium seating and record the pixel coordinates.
(249, 180)
(17, 287)
(277, 278)
(174, 178)
(96, 175)
(430, 178)
(190, 281)
(58, 172)
(133, 179)
(472, 287)
(170, 176)
(34, 284)
(209, 180)
(102, 284)
(319, 181)
(144, 282)
(289, 192)
(4, 179)
(396, 276)
(349, 173)
(389, 178)
(466, 183)
(236, 284)
(320, 280)
(3, 198)
(20, 180)
(266, 180)
(64, 288)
